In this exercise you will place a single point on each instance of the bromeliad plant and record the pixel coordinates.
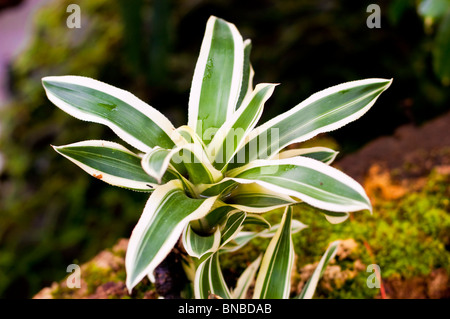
(212, 180)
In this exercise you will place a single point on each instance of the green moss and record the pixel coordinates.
(408, 237)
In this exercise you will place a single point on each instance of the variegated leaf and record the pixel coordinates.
(247, 75)
(109, 162)
(165, 215)
(232, 227)
(257, 199)
(310, 286)
(243, 237)
(323, 154)
(324, 111)
(246, 279)
(217, 78)
(231, 135)
(209, 279)
(134, 121)
(309, 180)
(199, 245)
(274, 277)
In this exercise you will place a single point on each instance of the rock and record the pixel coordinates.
(414, 151)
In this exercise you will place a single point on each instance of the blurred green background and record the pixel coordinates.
(52, 214)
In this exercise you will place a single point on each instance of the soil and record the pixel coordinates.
(411, 153)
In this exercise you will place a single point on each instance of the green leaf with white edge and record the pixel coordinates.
(247, 74)
(217, 78)
(242, 238)
(197, 164)
(323, 154)
(246, 279)
(209, 279)
(191, 156)
(336, 217)
(313, 182)
(94, 101)
(109, 162)
(222, 188)
(190, 136)
(310, 286)
(296, 226)
(256, 220)
(216, 216)
(324, 111)
(274, 277)
(156, 162)
(232, 227)
(198, 245)
(231, 135)
(257, 199)
(163, 220)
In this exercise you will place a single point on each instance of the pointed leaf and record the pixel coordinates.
(231, 135)
(323, 154)
(134, 121)
(217, 77)
(245, 280)
(324, 111)
(109, 162)
(247, 75)
(209, 279)
(309, 180)
(311, 284)
(274, 277)
(165, 215)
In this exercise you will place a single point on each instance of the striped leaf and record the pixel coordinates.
(109, 162)
(246, 279)
(227, 223)
(156, 162)
(190, 156)
(336, 217)
(324, 111)
(190, 136)
(311, 181)
(310, 286)
(231, 135)
(323, 154)
(209, 279)
(247, 74)
(274, 276)
(243, 237)
(197, 245)
(134, 121)
(165, 215)
(256, 220)
(197, 164)
(257, 199)
(232, 227)
(217, 78)
(223, 188)
(216, 217)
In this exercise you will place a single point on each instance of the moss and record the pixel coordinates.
(406, 237)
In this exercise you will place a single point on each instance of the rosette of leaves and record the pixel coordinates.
(211, 181)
